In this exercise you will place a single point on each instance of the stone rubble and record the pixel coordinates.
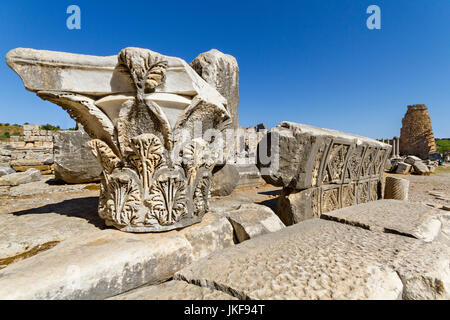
(34, 149)
(15, 179)
(411, 164)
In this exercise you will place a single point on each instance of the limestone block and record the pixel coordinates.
(392, 216)
(27, 162)
(411, 159)
(222, 72)
(249, 176)
(329, 169)
(96, 266)
(23, 233)
(14, 179)
(388, 166)
(224, 180)
(96, 76)
(420, 167)
(252, 220)
(6, 170)
(19, 144)
(109, 262)
(144, 111)
(74, 162)
(174, 290)
(396, 188)
(213, 233)
(318, 259)
(25, 168)
(31, 127)
(294, 207)
(5, 150)
(403, 168)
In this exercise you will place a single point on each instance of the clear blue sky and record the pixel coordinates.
(312, 62)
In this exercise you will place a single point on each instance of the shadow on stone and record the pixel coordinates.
(271, 203)
(271, 192)
(84, 208)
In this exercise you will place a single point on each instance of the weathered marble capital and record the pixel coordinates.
(144, 112)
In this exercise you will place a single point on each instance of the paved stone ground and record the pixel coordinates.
(319, 259)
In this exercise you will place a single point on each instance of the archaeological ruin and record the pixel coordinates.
(160, 194)
(416, 136)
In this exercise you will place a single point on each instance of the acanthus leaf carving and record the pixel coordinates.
(144, 187)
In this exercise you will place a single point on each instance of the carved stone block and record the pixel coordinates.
(320, 170)
(148, 115)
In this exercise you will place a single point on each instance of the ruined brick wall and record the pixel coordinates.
(416, 136)
(32, 150)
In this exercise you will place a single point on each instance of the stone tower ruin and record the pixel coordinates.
(416, 135)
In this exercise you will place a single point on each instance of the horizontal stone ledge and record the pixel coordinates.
(97, 264)
(94, 75)
(414, 220)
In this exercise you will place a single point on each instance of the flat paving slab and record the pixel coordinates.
(393, 216)
(319, 259)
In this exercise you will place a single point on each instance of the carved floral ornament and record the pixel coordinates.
(154, 177)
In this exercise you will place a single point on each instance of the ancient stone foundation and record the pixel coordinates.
(416, 136)
(320, 170)
(147, 115)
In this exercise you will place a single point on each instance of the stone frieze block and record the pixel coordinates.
(146, 114)
(320, 170)
(306, 156)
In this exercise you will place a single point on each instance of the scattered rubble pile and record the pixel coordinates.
(411, 164)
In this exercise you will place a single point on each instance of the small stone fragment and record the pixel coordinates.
(224, 180)
(14, 179)
(403, 168)
(252, 220)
